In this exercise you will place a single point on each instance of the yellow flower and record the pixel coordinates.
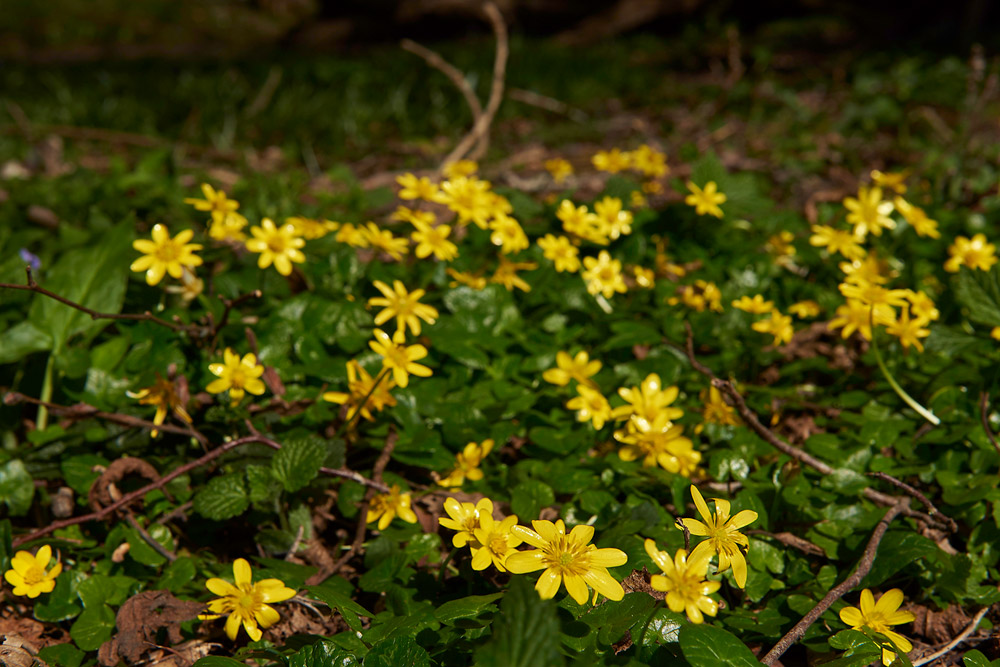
(164, 396)
(837, 240)
(469, 198)
(868, 212)
(577, 220)
(460, 168)
(228, 228)
(908, 331)
(781, 244)
(579, 368)
(467, 464)
(649, 161)
(644, 277)
(617, 221)
(404, 306)
(190, 288)
(705, 202)
(917, 219)
(561, 252)
(507, 234)
(922, 306)
(382, 239)
(724, 536)
(683, 580)
(559, 169)
(387, 506)
(590, 405)
(433, 240)
(401, 359)
(215, 201)
(658, 442)
(163, 254)
(755, 305)
(464, 518)
(716, 410)
(352, 235)
(611, 161)
(891, 181)
(995, 333)
(974, 253)
(414, 217)
(506, 274)
(567, 559)
(871, 269)
(246, 603)
(855, 316)
(495, 542)
(871, 294)
(28, 574)
(649, 400)
(276, 245)
(804, 309)
(778, 325)
(468, 279)
(878, 616)
(359, 385)
(311, 229)
(412, 187)
(237, 375)
(701, 295)
(603, 275)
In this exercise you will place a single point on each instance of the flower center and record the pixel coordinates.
(237, 378)
(168, 252)
(498, 543)
(34, 575)
(276, 244)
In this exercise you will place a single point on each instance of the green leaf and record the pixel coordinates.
(79, 473)
(897, 550)
(22, 339)
(222, 498)
(93, 627)
(974, 658)
(322, 654)
(62, 655)
(397, 651)
(298, 461)
(63, 602)
(528, 498)
(260, 482)
(16, 487)
(6, 545)
(709, 646)
(979, 291)
(217, 661)
(614, 618)
(176, 574)
(467, 607)
(524, 631)
(348, 608)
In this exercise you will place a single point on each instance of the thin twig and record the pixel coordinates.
(478, 136)
(954, 642)
(689, 349)
(32, 286)
(149, 539)
(687, 534)
(864, 566)
(984, 406)
(228, 305)
(931, 509)
(296, 542)
(790, 540)
(455, 75)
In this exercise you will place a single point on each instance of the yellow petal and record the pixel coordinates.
(576, 587)
(241, 572)
(739, 569)
(742, 518)
(852, 617)
(867, 603)
(274, 590)
(889, 602)
(266, 616)
(523, 562)
(232, 626)
(696, 527)
(608, 557)
(548, 584)
(602, 582)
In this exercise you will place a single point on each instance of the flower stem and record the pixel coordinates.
(909, 400)
(42, 418)
(353, 418)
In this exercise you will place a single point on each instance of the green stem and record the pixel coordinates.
(353, 418)
(909, 400)
(444, 565)
(42, 419)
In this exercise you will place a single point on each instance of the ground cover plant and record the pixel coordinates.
(632, 403)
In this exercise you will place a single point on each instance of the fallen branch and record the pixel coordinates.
(455, 75)
(864, 566)
(149, 539)
(906, 488)
(478, 136)
(954, 642)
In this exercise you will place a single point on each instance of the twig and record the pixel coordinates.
(296, 542)
(954, 642)
(687, 535)
(531, 98)
(32, 286)
(984, 406)
(266, 92)
(228, 305)
(931, 509)
(435, 60)
(176, 513)
(689, 349)
(478, 136)
(149, 539)
(790, 540)
(864, 566)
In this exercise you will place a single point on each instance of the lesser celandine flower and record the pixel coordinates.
(974, 253)
(649, 161)
(464, 519)
(579, 367)
(755, 304)
(467, 464)
(399, 358)
(699, 296)
(236, 375)
(705, 201)
(469, 198)
(871, 268)
(467, 279)
(460, 168)
(657, 442)
(228, 228)
(506, 274)
(387, 506)
(28, 574)
(716, 410)
(857, 316)
(412, 187)
(611, 161)
(917, 218)
(352, 235)
(558, 168)
(215, 202)
(403, 305)
(603, 275)
(869, 212)
(892, 181)
(616, 220)
(276, 245)
(644, 277)
(804, 309)
(507, 233)
(908, 331)
(382, 239)
(837, 240)
(922, 306)
(568, 559)
(562, 253)
(683, 580)
(163, 254)
(590, 405)
(246, 603)
(495, 542)
(433, 241)
(878, 616)
(778, 325)
(361, 385)
(872, 294)
(649, 400)
(310, 228)
(162, 394)
(722, 531)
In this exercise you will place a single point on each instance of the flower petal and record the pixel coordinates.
(266, 616)
(232, 626)
(221, 588)
(274, 590)
(742, 518)
(852, 617)
(576, 587)
(241, 572)
(889, 602)
(602, 582)
(608, 557)
(523, 562)
(548, 584)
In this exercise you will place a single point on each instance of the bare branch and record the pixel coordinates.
(455, 75)
(954, 642)
(911, 491)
